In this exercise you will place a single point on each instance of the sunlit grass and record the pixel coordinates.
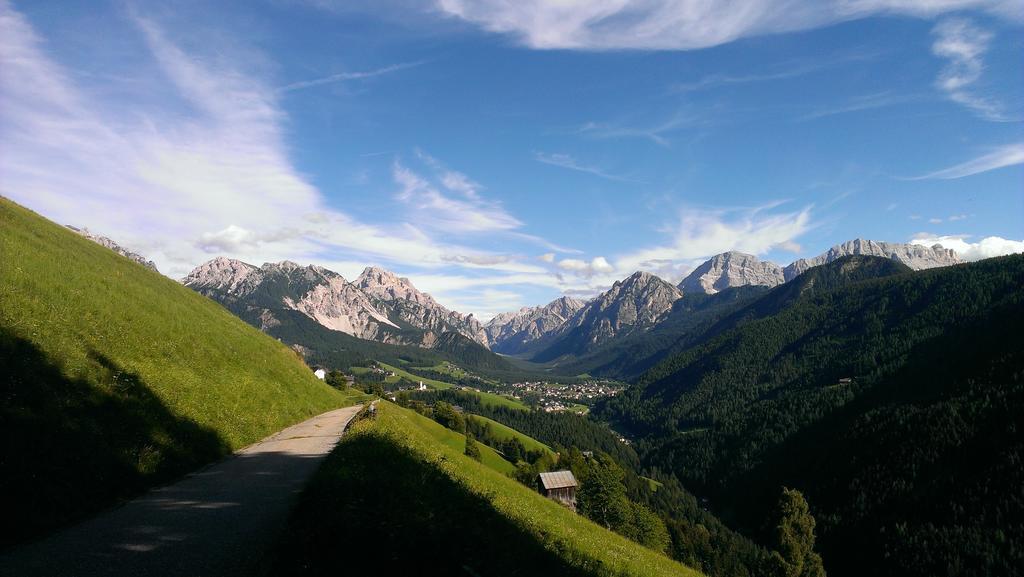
(144, 377)
(505, 432)
(576, 540)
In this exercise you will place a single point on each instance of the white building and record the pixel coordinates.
(320, 374)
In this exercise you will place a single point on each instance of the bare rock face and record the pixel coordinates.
(224, 274)
(510, 332)
(378, 306)
(339, 306)
(915, 256)
(635, 303)
(405, 303)
(104, 241)
(316, 292)
(731, 269)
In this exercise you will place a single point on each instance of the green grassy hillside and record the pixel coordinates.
(116, 378)
(457, 442)
(504, 432)
(490, 399)
(423, 508)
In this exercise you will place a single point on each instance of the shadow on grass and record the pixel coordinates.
(72, 446)
(375, 508)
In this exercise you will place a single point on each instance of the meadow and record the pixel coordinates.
(430, 510)
(118, 378)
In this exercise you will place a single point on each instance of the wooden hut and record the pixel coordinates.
(559, 486)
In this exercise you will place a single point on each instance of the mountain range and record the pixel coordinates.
(378, 305)
(510, 332)
(298, 303)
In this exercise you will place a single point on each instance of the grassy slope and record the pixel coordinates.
(433, 511)
(505, 432)
(457, 442)
(487, 398)
(432, 383)
(124, 373)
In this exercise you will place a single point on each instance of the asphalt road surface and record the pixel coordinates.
(217, 521)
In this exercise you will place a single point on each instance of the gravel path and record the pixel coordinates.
(217, 521)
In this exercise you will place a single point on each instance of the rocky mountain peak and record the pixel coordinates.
(916, 256)
(731, 269)
(409, 304)
(639, 301)
(564, 306)
(285, 265)
(641, 284)
(114, 246)
(223, 273)
(511, 332)
(388, 286)
(639, 277)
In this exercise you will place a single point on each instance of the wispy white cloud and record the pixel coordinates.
(596, 266)
(657, 133)
(681, 24)
(952, 218)
(701, 233)
(1001, 157)
(862, 103)
(964, 44)
(182, 184)
(784, 71)
(435, 209)
(716, 80)
(566, 161)
(985, 248)
(346, 76)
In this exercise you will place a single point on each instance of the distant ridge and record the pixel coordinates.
(510, 333)
(916, 256)
(114, 246)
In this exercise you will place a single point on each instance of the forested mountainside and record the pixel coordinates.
(627, 357)
(890, 398)
(632, 305)
(337, 350)
(606, 334)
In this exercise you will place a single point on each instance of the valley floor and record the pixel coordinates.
(213, 522)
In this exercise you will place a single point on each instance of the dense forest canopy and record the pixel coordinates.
(891, 399)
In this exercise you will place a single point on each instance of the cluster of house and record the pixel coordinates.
(321, 373)
(380, 371)
(562, 397)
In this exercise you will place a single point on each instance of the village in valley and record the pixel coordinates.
(542, 395)
(552, 397)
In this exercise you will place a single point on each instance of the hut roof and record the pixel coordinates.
(558, 480)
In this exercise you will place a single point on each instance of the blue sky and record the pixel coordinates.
(500, 154)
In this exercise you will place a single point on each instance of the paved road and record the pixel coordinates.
(217, 521)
